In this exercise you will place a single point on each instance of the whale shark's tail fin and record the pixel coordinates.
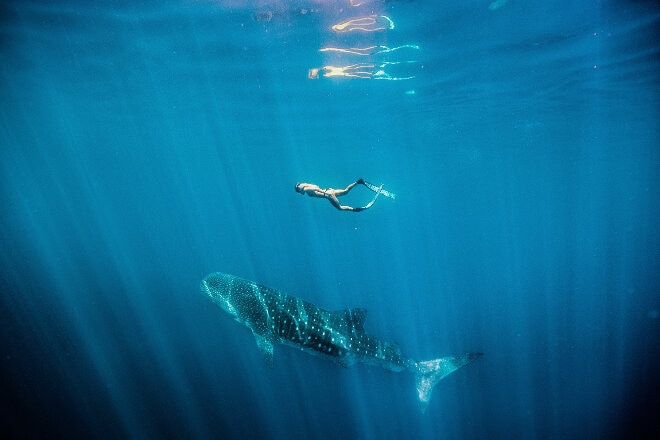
(429, 373)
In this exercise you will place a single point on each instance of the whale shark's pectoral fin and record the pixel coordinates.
(266, 347)
(346, 361)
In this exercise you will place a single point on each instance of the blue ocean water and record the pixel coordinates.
(147, 144)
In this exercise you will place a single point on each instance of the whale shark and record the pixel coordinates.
(275, 317)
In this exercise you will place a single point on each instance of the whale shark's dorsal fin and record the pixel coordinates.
(353, 318)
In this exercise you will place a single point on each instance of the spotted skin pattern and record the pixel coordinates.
(278, 318)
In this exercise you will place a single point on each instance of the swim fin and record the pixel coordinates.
(368, 205)
(380, 189)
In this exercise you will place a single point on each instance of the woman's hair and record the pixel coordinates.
(296, 187)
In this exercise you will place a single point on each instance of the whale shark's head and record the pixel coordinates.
(234, 295)
(218, 286)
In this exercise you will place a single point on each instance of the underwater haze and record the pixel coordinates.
(145, 145)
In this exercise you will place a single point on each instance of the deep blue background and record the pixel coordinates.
(146, 145)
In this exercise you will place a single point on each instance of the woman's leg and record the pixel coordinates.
(335, 202)
(341, 192)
